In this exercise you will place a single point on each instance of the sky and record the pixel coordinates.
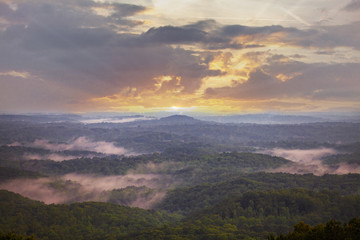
(212, 56)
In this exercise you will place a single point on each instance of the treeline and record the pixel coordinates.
(332, 230)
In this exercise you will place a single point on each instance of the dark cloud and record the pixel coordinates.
(354, 5)
(204, 25)
(210, 35)
(69, 13)
(240, 30)
(68, 54)
(125, 10)
(174, 35)
(5, 10)
(325, 37)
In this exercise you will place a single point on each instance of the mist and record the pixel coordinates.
(309, 161)
(112, 120)
(148, 202)
(53, 156)
(80, 144)
(301, 155)
(79, 188)
(41, 190)
(106, 183)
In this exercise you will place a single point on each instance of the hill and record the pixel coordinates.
(87, 220)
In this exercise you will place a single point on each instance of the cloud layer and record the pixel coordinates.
(84, 55)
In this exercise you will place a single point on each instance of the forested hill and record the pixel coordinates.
(188, 199)
(158, 135)
(202, 180)
(252, 215)
(88, 220)
(187, 164)
(255, 215)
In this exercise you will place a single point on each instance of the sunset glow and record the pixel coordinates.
(219, 56)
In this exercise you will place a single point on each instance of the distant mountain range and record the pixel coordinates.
(264, 118)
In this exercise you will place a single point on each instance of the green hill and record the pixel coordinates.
(88, 220)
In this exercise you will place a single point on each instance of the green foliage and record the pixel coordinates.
(185, 200)
(14, 236)
(222, 195)
(111, 165)
(210, 168)
(89, 220)
(190, 165)
(129, 195)
(149, 136)
(7, 173)
(349, 158)
(333, 230)
(256, 214)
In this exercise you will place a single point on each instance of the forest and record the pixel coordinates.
(177, 177)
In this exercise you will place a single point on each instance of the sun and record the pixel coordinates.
(181, 109)
(175, 108)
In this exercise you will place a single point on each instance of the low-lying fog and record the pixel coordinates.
(79, 144)
(77, 188)
(309, 161)
(115, 120)
(147, 187)
(53, 156)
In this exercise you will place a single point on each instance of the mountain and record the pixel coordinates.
(265, 119)
(179, 119)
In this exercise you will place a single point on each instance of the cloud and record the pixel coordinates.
(64, 55)
(215, 36)
(84, 12)
(72, 54)
(286, 80)
(326, 37)
(208, 34)
(353, 5)
(173, 35)
(240, 30)
(204, 25)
